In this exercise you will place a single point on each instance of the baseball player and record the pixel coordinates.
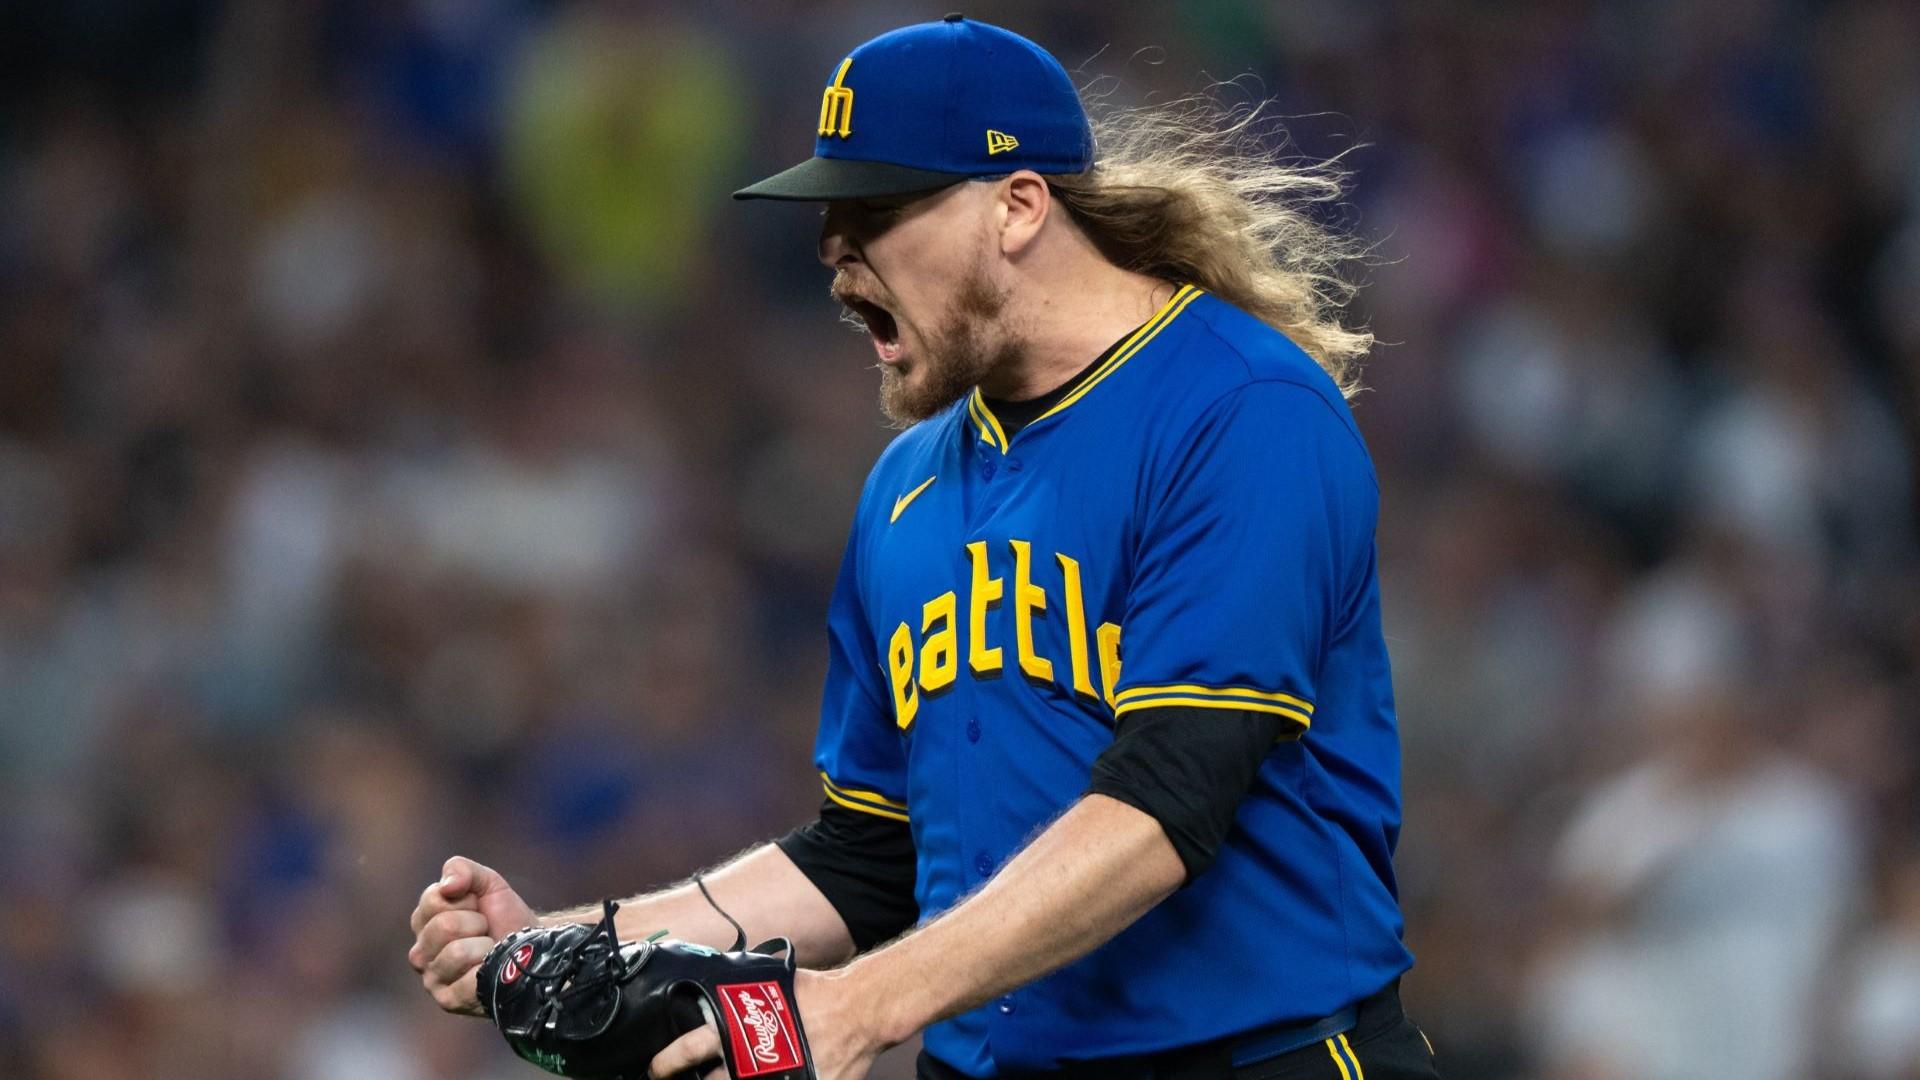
(1108, 744)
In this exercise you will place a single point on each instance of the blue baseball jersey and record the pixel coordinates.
(1193, 525)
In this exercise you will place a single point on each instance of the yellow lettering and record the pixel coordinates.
(985, 595)
(1027, 599)
(1108, 637)
(939, 656)
(1076, 626)
(906, 697)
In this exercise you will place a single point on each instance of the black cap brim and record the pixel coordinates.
(825, 179)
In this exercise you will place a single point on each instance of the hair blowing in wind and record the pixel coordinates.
(1193, 191)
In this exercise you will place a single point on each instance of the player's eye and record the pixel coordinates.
(866, 218)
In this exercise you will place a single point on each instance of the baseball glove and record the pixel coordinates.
(577, 1001)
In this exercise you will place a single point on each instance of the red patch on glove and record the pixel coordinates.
(761, 1028)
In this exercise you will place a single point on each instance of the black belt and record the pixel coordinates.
(1217, 1059)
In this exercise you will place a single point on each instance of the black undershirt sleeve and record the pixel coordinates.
(864, 865)
(1188, 768)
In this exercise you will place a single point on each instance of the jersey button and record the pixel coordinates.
(984, 864)
(1006, 1005)
(973, 730)
(986, 469)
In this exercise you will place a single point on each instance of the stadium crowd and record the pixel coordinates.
(406, 449)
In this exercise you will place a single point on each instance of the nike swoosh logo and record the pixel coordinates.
(900, 504)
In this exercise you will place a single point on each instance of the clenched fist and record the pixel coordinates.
(458, 919)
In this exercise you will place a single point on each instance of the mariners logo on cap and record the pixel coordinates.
(936, 97)
(836, 104)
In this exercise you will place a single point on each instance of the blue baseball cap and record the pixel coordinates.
(929, 105)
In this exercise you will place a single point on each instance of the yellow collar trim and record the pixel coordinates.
(990, 430)
(983, 418)
(1177, 303)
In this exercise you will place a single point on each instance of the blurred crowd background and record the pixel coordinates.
(407, 449)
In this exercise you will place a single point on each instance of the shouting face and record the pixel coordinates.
(916, 273)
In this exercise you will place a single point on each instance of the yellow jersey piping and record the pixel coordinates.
(1169, 311)
(864, 801)
(1177, 303)
(1295, 715)
(1216, 691)
(985, 421)
(999, 433)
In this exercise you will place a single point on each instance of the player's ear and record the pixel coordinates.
(1025, 203)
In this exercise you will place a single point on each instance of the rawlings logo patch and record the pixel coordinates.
(760, 1026)
(521, 957)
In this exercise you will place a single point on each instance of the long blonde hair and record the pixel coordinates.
(1191, 192)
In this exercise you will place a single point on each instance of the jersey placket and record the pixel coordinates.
(981, 762)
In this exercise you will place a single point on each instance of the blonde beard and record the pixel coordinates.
(958, 355)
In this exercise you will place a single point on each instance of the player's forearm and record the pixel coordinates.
(761, 888)
(1087, 877)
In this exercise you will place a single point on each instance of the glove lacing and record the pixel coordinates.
(606, 967)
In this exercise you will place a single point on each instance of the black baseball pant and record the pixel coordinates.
(1382, 1045)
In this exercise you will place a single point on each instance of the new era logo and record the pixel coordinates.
(999, 142)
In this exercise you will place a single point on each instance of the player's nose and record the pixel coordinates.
(836, 248)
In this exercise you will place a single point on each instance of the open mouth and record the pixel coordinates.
(879, 325)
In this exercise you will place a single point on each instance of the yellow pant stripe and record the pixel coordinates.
(1353, 1059)
(1334, 1053)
